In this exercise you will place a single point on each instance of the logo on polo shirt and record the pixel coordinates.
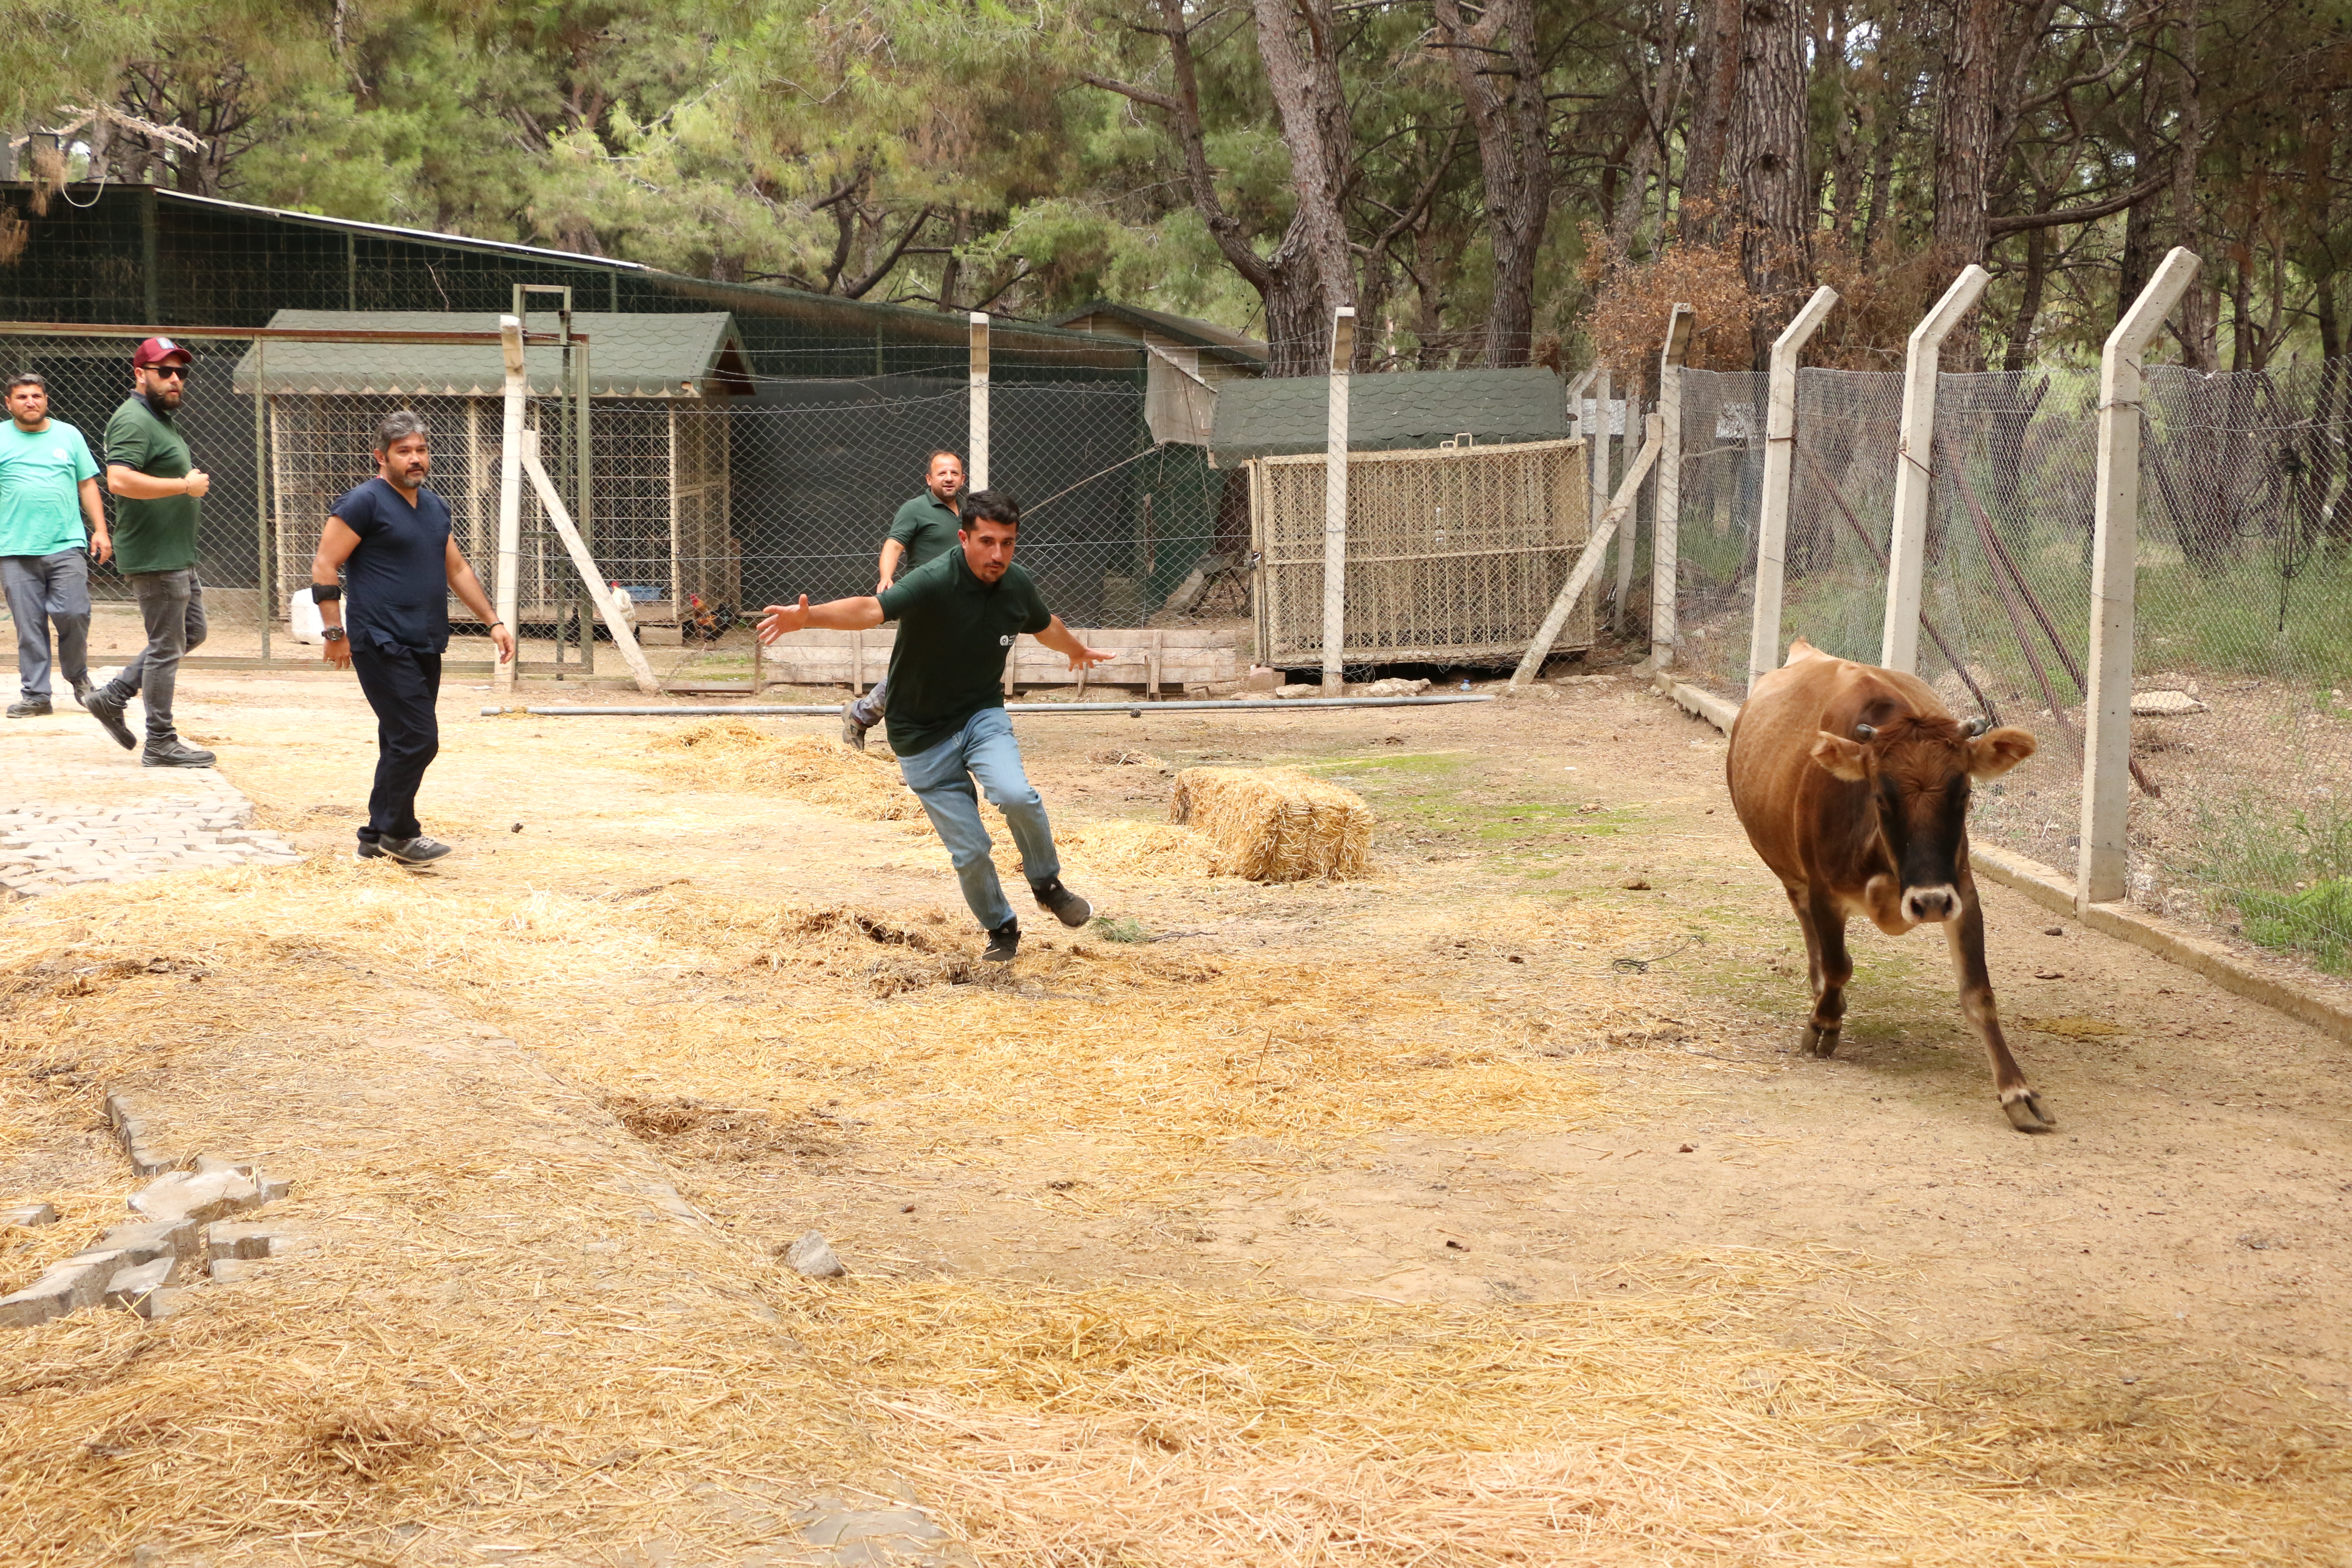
(1005, 641)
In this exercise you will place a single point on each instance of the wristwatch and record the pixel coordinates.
(333, 634)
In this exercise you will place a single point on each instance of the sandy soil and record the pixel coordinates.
(2184, 1239)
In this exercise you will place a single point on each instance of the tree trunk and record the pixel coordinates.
(1299, 42)
(1659, 96)
(1513, 123)
(1715, 82)
(2028, 298)
(2197, 321)
(1963, 136)
(1766, 153)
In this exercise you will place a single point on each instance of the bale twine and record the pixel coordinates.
(1275, 825)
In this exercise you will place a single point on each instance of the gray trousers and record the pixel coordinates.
(173, 605)
(868, 709)
(45, 591)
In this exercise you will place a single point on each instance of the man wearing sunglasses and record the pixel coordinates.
(159, 500)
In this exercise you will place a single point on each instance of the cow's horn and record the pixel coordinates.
(1865, 733)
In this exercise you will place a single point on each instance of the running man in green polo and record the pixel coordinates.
(158, 501)
(924, 529)
(957, 617)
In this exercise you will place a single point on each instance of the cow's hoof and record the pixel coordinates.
(1819, 1042)
(2026, 1113)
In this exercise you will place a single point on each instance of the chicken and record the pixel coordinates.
(705, 623)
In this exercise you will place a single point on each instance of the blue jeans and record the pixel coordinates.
(942, 779)
(46, 591)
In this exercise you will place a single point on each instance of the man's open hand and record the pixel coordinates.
(1088, 658)
(777, 619)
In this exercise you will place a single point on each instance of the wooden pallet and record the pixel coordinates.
(1150, 660)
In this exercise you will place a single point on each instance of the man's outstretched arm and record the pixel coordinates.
(1063, 641)
(855, 614)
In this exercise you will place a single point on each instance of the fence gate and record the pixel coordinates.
(1453, 554)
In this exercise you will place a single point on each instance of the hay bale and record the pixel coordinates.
(1276, 825)
(729, 753)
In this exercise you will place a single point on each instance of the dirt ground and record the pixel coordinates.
(1259, 1241)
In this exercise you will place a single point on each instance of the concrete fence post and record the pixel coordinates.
(1599, 445)
(2114, 550)
(1335, 504)
(975, 465)
(1780, 455)
(1914, 461)
(1666, 494)
(506, 582)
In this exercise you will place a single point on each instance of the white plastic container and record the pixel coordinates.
(302, 616)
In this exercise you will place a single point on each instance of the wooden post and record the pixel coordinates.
(1779, 443)
(1580, 577)
(1665, 517)
(1335, 504)
(1914, 461)
(502, 676)
(559, 518)
(2115, 540)
(975, 466)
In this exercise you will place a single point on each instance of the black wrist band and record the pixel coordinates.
(326, 593)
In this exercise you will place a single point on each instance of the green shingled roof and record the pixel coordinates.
(1279, 417)
(645, 355)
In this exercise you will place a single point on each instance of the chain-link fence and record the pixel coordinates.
(2243, 657)
(2242, 752)
(1714, 565)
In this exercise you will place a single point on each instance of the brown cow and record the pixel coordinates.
(1853, 783)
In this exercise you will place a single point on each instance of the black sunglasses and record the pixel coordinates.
(176, 371)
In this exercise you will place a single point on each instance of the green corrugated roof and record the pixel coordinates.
(650, 355)
(1408, 409)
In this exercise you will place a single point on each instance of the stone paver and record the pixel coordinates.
(76, 809)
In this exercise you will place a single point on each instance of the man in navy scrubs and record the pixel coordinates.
(390, 538)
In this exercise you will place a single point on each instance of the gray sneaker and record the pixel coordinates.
(1002, 944)
(30, 708)
(853, 734)
(1068, 908)
(417, 851)
(81, 687)
(171, 752)
(107, 709)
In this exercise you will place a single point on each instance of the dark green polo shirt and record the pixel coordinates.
(927, 529)
(954, 634)
(152, 535)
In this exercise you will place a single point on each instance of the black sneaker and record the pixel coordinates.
(107, 709)
(81, 689)
(1068, 908)
(853, 734)
(31, 708)
(171, 752)
(1002, 944)
(417, 851)
(369, 849)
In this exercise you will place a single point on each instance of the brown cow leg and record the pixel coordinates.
(1965, 933)
(1829, 967)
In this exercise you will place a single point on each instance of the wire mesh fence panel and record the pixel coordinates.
(1841, 511)
(1454, 556)
(2005, 595)
(2242, 659)
(1715, 566)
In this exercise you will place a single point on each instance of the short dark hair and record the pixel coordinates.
(27, 378)
(943, 452)
(398, 426)
(991, 505)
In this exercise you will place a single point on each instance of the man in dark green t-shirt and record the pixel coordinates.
(924, 529)
(957, 617)
(158, 501)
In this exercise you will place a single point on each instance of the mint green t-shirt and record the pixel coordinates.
(41, 473)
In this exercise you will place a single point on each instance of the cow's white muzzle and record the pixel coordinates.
(1937, 901)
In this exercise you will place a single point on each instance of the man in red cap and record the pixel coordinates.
(159, 501)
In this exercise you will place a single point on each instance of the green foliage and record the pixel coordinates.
(2288, 874)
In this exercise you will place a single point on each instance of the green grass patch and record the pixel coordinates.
(1116, 928)
(2288, 875)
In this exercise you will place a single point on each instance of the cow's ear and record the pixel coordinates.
(1840, 757)
(1996, 752)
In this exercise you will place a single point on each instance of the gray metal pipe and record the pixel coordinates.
(1132, 709)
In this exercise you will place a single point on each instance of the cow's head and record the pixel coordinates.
(1916, 773)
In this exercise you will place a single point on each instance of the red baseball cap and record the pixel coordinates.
(156, 351)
